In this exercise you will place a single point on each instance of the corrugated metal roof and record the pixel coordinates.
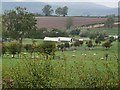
(57, 39)
(51, 39)
(65, 38)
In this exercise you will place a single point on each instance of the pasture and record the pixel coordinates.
(73, 68)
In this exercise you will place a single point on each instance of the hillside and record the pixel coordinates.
(59, 22)
(75, 8)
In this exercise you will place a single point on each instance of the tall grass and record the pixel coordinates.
(64, 73)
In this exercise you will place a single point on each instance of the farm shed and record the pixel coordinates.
(65, 39)
(54, 39)
(84, 39)
(80, 39)
(115, 36)
(58, 39)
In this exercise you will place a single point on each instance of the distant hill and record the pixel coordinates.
(75, 8)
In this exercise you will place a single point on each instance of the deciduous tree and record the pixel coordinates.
(18, 22)
(47, 10)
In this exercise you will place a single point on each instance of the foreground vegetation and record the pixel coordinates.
(73, 68)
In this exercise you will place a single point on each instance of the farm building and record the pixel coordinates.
(65, 39)
(115, 36)
(58, 39)
(54, 39)
(84, 39)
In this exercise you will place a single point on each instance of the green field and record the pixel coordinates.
(72, 69)
(109, 31)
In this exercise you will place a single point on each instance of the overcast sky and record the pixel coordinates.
(109, 3)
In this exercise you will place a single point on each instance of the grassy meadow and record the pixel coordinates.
(73, 68)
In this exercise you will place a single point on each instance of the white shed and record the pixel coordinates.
(58, 39)
(54, 39)
(65, 39)
(84, 39)
(115, 36)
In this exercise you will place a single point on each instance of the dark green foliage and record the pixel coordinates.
(111, 39)
(75, 32)
(18, 22)
(48, 48)
(38, 34)
(81, 42)
(94, 34)
(4, 48)
(84, 33)
(59, 11)
(47, 10)
(89, 44)
(107, 44)
(28, 47)
(57, 33)
(62, 11)
(77, 43)
(66, 45)
(119, 38)
(106, 56)
(14, 48)
(69, 22)
(97, 41)
(110, 21)
(61, 47)
(102, 36)
(31, 48)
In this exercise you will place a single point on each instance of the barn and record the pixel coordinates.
(115, 36)
(84, 39)
(65, 39)
(58, 39)
(53, 39)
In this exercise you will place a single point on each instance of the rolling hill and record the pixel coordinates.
(75, 8)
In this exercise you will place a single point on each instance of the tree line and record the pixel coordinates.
(60, 11)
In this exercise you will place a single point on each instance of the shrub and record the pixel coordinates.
(67, 45)
(97, 41)
(81, 42)
(48, 48)
(111, 39)
(77, 43)
(84, 33)
(3, 48)
(76, 31)
(107, 44)
(28, 47)
(14, 48)
(89, 44)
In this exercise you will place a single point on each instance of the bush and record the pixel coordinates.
(77, 43)
(89, 44)
(107, 44)
(84, 33)
(48, 48)
(66, 45)
(3, 48)
(97, 41)
(75, 31)
(28, 47)
(111, 39)
(14, 48)
(31, 48)
(81, 42)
